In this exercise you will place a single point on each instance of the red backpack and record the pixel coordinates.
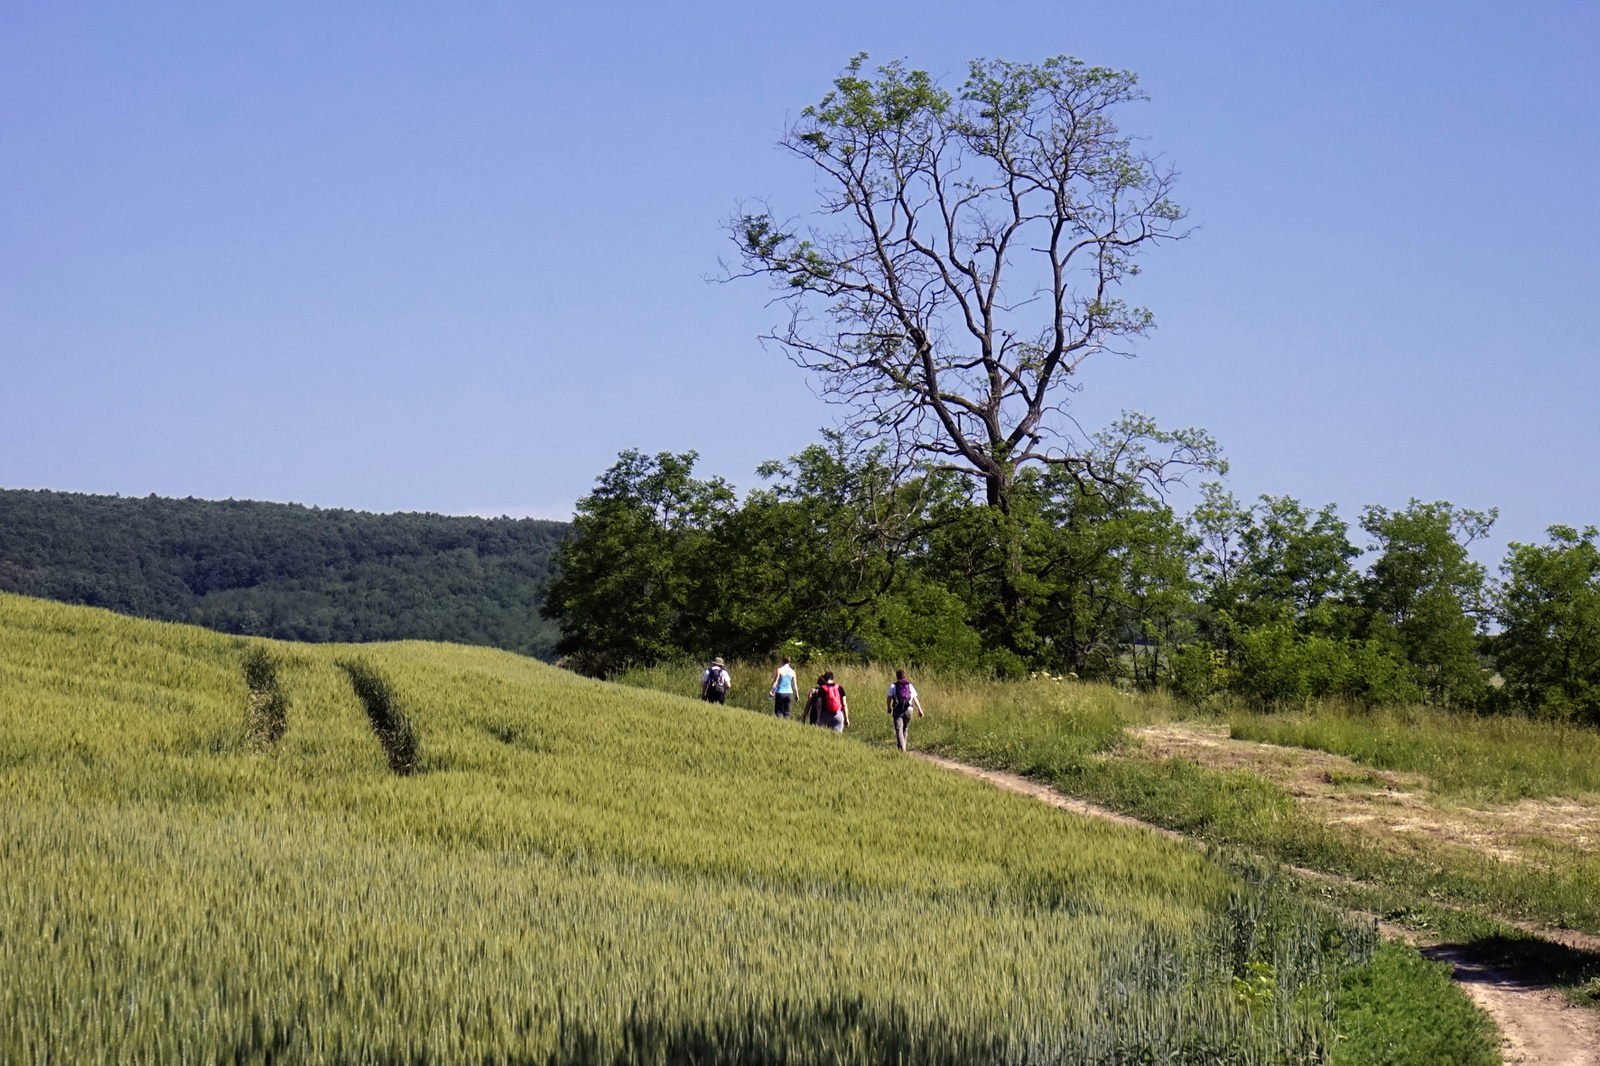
(832, 701)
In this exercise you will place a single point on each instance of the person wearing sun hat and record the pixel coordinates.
(715, 682)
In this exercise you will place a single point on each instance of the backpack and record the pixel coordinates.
(716, 681)
(832, 701)
(900, 697)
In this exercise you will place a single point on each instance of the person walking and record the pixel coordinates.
(813, 699)
(902, 700)
(784, 687)
(828, 706)
(715, 682)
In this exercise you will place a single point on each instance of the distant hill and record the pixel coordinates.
(284, 570)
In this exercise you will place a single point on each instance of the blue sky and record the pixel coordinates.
(452, 257)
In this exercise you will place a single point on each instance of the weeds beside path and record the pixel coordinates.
(1540, 1026)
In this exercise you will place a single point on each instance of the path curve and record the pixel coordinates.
(1539, 1026)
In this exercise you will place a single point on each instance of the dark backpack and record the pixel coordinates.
(900, 698)
(716, 681)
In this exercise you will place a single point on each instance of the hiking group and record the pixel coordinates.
(827, 705)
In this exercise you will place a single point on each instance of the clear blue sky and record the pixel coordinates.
(451, 257)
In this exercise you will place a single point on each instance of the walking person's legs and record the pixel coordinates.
(781, 704)
(902, 726)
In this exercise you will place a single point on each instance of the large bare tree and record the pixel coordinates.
(968, 258)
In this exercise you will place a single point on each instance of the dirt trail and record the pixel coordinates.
(1539, 1026)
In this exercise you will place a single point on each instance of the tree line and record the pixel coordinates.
(1270, 601)
(284, 570)
(965, 258)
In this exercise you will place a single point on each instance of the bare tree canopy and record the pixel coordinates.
(970, 259)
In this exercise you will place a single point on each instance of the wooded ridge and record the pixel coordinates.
(285, 570)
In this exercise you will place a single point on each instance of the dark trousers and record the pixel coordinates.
(715, 697)
(781, 704)
(902, 726)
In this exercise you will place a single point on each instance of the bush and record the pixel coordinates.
(1197, 672)
(1278, 666)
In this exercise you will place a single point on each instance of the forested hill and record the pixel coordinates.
(284, 570)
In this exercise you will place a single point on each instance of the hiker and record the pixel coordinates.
(784, 687)
(715, 682)
(811, 700)
(828, 706)
(902, 700)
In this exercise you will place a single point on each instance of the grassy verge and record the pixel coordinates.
(1476, 759)
(1401, 1008)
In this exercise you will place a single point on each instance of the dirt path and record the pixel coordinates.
(1539, 1026)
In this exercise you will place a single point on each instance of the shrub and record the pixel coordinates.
(1278, 666)
(1197, 672)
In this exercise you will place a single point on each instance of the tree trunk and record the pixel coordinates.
(998, 488)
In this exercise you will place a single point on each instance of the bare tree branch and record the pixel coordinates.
(967, 260)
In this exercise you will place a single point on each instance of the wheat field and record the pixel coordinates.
(573, 872)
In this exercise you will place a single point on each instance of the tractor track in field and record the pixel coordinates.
(1538, 1025)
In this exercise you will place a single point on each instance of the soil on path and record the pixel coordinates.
(1539, 1026)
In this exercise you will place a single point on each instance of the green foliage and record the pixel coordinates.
(1423, 595)
(1279, 665)
(585, 874)
(389, 720)
(1272, 563)
(625, 585)
(1198, 673)
(663, 566)
(1295, 620)
(283, 570)
(1276, 666)
(267, 712)
(1548, 608)
(840, 556)
(930, 200)
(1070, 577)
(1402, 1010)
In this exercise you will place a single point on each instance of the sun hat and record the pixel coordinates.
(718, 661)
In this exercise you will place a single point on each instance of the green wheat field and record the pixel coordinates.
(194, 869)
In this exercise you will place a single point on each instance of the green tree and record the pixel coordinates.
(968, 258)
(821, 556)
(1282, 604)
(1548, 607)
(625, 581)
(1424, 595)
(1275, 562)
(661, 565)
(1103, 571)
